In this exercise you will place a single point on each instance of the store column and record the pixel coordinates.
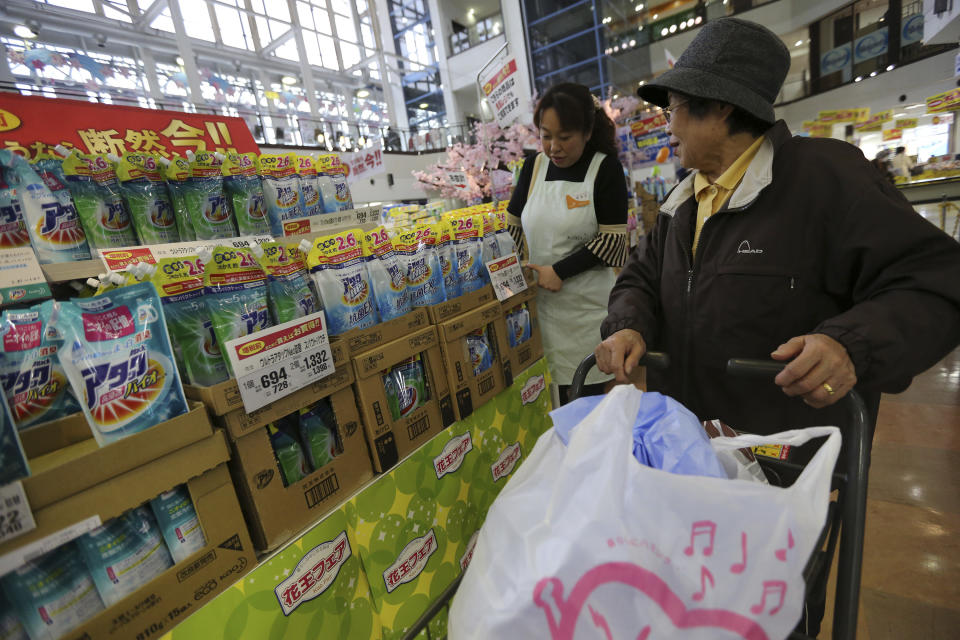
(186, 52)
(6, 76)
(441, 36)
(308, 85)
(389, 74)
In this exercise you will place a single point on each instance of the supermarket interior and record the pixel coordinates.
(434, 319)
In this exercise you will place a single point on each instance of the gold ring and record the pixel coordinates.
(828, 388)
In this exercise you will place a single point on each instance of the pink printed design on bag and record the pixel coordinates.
(548, 595)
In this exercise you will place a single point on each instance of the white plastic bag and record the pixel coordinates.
(585, 542)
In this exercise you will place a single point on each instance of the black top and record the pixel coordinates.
(609, 198)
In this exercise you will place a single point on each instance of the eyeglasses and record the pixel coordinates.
(668, 111)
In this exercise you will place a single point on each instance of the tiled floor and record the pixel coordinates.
(911, 570)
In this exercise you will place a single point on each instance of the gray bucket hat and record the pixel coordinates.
(731, 60)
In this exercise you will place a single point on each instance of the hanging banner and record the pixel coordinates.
(844, 115)
(870, 46)
(653, 149)
(498, 81)
(835, 59)
(905, 123)
(875, 122)
(946, 101)
(911, 29)
(820, 130)
(643, 127)
(363, 164)
(892, 134)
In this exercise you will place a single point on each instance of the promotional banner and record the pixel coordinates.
(363, 164)
(911, 29)
(892, 134)
(946, 101)
(870, 46)
(646, 126)
(875, 122)
(844, 115)
(820, 130)
(653, 149)
(30, 125)
(835, 59)
(905, 123)
(498, 81)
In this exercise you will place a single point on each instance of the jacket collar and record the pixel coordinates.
(758, 175)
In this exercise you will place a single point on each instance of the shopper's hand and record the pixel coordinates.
(818, 365)
(547, 277)
(620, 353)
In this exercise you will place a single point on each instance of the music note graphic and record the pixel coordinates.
(705, 577)
(644, 633)
(782, 553)
(699, 528)
(740, 566)
(770, 586)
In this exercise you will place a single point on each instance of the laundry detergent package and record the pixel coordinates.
(309, 189)
(13, 460)
(176, 172)
(212, 218)
(10, 626)
(236, 292)
(34, 382)
(124, 554)
(13, 228)
(468, 242)
(406, 387)
(179, 283)
(52, 594)
(478, 350)
(417, 254)
(505, 243)
(143, 190)
(245, 194)
(387, 278)
(491, 249)
(339, 270)
(117, 356)
(96, 194)
(448, 260)
(288, 293)
(281, 190)
(289, 454)
(53, 224)
(518, 325)
(332, 181)
(319, 434)
(178, 522)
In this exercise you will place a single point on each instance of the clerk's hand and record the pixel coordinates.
(547, 277)
(620, 353)
(820, 370)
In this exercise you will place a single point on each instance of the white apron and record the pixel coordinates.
(558, 219)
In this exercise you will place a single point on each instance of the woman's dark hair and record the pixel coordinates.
(577, 112)
(739, 121)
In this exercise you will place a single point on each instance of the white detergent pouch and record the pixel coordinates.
(387, 277)
(53, 594)
(178, 522)
(505, 243)
(311, 200)
(124, 554)
(339, 269)
(332, 181)
(281, 190)
(468, 242)
(417, 251)
(491, 248)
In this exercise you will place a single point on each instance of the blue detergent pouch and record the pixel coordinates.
(288, 293)
(117, 356)
(311, 200)
(178, 523)
(417, 253)
(10, 626)
(13, 228)
(332, 181)
(448, 260)
(124, 554)
(52, 594)
(491, 248)
(518, 325)
(52, 221)
(478, 350)
(387, 278)
(34, 382)
(505, 243)
(468, 242)
(339, 270)
(281, 190)
(13, 460)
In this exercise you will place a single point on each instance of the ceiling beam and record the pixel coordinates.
(276, 42)
(150, 14)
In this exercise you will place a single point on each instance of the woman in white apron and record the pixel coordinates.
(570, 206)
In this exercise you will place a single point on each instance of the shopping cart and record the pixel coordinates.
(846, 515)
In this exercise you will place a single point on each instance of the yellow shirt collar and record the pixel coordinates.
(730, 178)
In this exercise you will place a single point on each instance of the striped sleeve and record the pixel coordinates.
(610, 244)
(516, 232)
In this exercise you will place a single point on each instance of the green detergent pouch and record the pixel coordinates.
(117, 356)
(288, 293)
(478, 350)
(178, 523)
(10, 626)
(319, 434)
(124, 554)
(332, 181)
(13, 228)
(13, 460)
(52, 594)
(289, 454)
(53, 224)
(310, 198)
(96, 193)
(145, 194)
(406, 387)
(518, 325)
(339, 270)
(281, 190)
(236, 291)
(387, 278)
(34, 383)
(179, 283)
(417, 253)
(468, 242)
(448, 260)
(176, 172)
(245, 194)
(206, 202)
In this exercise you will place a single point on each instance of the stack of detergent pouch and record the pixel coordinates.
(244, 191)
(332, 184)
(92, 183)
(467, 232)
(338, 268)
(51, 595)
(519, 329)
(305, 441)
(288, 291)
(406, 387)
(281, 190)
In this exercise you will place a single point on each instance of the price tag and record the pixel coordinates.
(16, 518)
(506, 276)
(275, 362)
(120, 259)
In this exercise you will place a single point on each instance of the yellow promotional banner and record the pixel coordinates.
(905, 123)
(844, 115)
(892, 134)
(875, 122)
(946, 101)
(809, 124)
(821, 131)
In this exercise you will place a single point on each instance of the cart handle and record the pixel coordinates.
(652, 359)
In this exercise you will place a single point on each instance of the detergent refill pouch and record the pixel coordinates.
(124, 554)
(387, 278)
(52, 594)
(339, 270)
(332, 183)
(319, 434)
(10, 625)
(478, 350)
(13, 228)
(211, 216)
(518, 325)
(236, 294)
(13, 460)
(309, 189)
(468, 242)
(288, 293)
(117, 356)
(491, 249)
(143, 189)
(96, 194)
(448, 259)
(417, 253)
(281, 190)
(289, 455)
(245, 193)
(53, 223)
(179, 283)
(178, 522)
(34, 382)
(176, 172)
(505, 243)
(406, 387)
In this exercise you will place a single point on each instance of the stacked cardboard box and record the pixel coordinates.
(518, 358)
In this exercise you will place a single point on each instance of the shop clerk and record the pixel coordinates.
(570, 207)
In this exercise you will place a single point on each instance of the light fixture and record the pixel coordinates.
(641, 28)
(891, 67)
(873, 74)
(24, 31)
(288, 80)
(616, 49)
(320, 138)
(673, 28)
(656, 15)
(616, 96)
(362, 141)
(698, 20)
(899, 115)
(424, 105)
(179, 61)
(915, 106)
(642, 82)
(640, 7)
(858, 79)
(664, 31)
(683, 25)
(633, 43)
(363, 93)
(798, 43)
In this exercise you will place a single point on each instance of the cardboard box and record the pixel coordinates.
(461, 304)
(276, 513)
(472, 391)
(389, 439)
(518, 358)
(56, 434)
(362, 340)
